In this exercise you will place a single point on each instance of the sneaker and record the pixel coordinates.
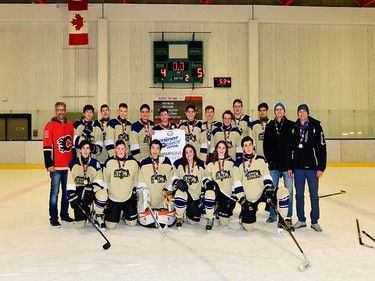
(270, 220)
(210, 223)
(54, 222)
(67, 219)
(316, 227)
(179, 222)
(299, 224)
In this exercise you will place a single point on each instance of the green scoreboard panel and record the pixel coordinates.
(178, 62)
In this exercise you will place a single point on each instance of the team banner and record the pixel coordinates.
(78, 22)
(173, 142)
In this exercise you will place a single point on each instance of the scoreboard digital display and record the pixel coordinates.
(178, 62)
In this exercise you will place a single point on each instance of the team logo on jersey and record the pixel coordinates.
(190, 179)
(123, 136)
(190, 138)
(121, 173)
(158, 178)
(224, 175)
(81, 181)
(64, 143)
(254, 174)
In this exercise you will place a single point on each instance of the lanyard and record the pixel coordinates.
(226, 137)
(121, 164)
(281, 125)
(85, 168)
(246, 169)
(123, 125)
(190, 171)
(155, 166)
(302, 130)
(191, 127)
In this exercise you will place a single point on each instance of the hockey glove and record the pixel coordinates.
(211, 185)
(87, 195)
(74, 201)
(245, 204)
(181, 185)
(167, 196)
(270, 191)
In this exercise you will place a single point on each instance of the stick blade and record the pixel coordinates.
(305, 266)
(106, 246)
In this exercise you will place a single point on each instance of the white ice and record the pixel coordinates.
(33, 250)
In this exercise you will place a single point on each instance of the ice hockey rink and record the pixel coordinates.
(31, 249)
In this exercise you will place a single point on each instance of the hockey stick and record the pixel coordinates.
(332, 194)
(162, 230)
(107, 245)
(368, 235)
(360, 238)
(306, 264)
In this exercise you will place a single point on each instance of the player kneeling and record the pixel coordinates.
(253, 184)
(85, 187)
(120, 176)
(154, 189)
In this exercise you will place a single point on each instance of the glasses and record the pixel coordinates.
(278, 109)
(60, 110)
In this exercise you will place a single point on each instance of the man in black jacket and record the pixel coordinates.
(277, 134)
(307, 160)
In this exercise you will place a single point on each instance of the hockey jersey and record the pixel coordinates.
(193, 176)
(81, 175)
(95, 135)
(58, 144)
(117, 130)
(232, 138)
(243, 124)
(250, 177)
(195, 135)
(156, 176)
(222, 172)
(120, 177)
(140, 138)
(259, 127)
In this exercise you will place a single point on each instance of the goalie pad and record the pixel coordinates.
(163, 217)
(144, 199)
(168, 202)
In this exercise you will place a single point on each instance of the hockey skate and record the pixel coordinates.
(284, 228)
(210, 223)
(99, 221)
(179, 222)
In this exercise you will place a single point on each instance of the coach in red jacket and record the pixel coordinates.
(58, 151)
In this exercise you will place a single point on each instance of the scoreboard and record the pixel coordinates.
(178, 62)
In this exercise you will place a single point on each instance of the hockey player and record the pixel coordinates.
(230, 134)
(187, 181)
(85, 186)
(253, 184)
(58, 152)
(104, 111)
(194, 132)
(118, 129)
(154, 188)
(88, 129)
(241, 121)
(164, 124)
(218, 184)
(208, 126)
(258, 128)
(121, 177)
(141, 134)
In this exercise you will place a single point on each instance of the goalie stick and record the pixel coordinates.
(162, 230)
(360, 238)
(332, 194)
(306, 264)
(107, 245)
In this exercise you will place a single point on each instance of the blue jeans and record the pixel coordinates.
(300, 177)
(57, 177)
(288, 183)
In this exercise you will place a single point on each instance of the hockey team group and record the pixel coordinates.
(112, 170)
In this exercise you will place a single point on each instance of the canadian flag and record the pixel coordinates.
(78, 22)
